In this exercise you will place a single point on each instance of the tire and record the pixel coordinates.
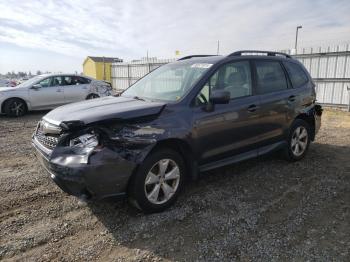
(298, 140)
(15, 107)
(92, 96)
(152, 190)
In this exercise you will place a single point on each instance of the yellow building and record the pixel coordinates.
(99, 67)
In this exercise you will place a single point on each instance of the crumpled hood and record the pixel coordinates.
(105, 108)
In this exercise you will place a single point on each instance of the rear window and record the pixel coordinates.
(270, 77)
(296, 74)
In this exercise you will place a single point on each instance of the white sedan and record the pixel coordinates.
(49, 91)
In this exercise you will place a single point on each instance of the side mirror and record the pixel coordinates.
(220, 97)
(36, 86)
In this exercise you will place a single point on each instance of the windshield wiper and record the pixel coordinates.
(138, 98)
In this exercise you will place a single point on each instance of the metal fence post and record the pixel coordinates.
(128, 66)
(347, 87)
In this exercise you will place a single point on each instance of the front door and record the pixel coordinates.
(48, 94)
(225, 130)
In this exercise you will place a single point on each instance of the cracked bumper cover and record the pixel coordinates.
(106, 173)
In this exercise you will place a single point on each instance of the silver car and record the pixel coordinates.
(49, 91)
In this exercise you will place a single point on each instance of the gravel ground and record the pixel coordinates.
(262, 210)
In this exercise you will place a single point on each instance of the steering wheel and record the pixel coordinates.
(202, 99)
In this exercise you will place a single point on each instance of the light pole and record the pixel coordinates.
(296, 38)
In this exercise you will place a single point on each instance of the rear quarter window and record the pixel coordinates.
(296, 74)
(83, 80)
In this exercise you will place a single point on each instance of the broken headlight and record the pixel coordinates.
(86, 141)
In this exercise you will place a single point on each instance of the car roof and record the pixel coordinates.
(239, 55)
(63, 74)
(203, 59)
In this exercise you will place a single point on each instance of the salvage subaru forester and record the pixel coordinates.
(193, 115)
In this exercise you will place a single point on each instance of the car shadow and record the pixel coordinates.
(226, 204)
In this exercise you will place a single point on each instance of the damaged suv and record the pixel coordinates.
(193, 115)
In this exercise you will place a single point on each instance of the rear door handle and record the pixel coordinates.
(292, 98)
(58, 90)
(252, 108)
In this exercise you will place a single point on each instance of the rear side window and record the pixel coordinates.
(56, 81)
(296, 74)
(67, 81)
(82, 80)
(270, 77)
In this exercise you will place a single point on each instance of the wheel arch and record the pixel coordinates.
(310, 119)
(184, 149)
(14, 97)
(91, 94)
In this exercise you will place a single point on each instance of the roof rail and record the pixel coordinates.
(268, 53)
(191, 56)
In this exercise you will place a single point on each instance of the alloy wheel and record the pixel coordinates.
(162, 181)
(299, 141)
(17, 108)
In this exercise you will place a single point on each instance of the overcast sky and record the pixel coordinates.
(58, 35)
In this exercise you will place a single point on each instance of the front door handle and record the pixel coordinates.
(292, 98)
(58, 90)
(252, 108)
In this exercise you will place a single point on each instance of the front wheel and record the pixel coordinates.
(15, 107)
(298, 140)
(158, 181)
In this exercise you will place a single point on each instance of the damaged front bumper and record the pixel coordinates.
(105, 174)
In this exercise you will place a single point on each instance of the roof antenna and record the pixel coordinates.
(218, 48)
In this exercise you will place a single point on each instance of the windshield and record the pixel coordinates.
(31, 81)
(169, 82)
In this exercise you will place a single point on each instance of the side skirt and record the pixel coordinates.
(243, 156)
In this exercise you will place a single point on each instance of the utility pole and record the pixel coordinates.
(296, 38)
(218, 48)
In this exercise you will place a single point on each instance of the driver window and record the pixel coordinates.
(233, 77)
(45, 82)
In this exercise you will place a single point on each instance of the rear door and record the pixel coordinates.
(227, 129)
(275, 95)
(74, 89)
(48, 95)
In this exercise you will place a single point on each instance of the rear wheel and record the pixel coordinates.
(157, 181)
(15, 107)
(92, 96)
(298, 140)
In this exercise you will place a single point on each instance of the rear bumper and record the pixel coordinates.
(106, 173)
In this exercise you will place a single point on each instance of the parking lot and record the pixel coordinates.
(261, 209)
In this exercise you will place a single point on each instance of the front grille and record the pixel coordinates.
(48, 140)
